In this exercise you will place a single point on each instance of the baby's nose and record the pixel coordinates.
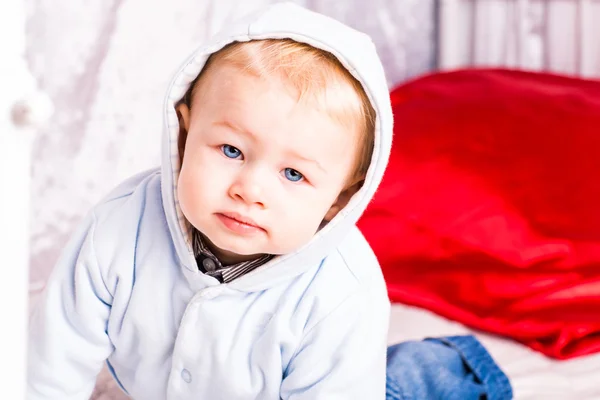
(249, 187)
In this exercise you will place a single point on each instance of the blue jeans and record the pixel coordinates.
(447, 368)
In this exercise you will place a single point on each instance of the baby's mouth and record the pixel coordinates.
(238, 223)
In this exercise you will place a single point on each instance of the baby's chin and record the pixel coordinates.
(227, 250)
(234, 250)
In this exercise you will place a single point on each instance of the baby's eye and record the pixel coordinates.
(230, 151)
(292, 175)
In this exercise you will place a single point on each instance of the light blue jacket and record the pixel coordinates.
(308, 325)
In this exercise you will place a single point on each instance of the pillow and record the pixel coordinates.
(489, 212)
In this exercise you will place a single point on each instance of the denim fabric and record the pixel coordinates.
(447, 368)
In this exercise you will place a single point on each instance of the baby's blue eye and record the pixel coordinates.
(230, 151)
(293, 175)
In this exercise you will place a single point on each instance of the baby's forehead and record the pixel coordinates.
(223, 83)
(270, 113)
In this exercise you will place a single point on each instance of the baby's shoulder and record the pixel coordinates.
(129, 194)
(349, 269)
(119, 216)
(130, 185)
(350, 274)
(356, 256)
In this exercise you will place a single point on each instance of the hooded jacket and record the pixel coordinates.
(127, 290)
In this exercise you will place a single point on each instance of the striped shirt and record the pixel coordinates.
(210, 264)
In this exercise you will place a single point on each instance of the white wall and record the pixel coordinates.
(553, 35)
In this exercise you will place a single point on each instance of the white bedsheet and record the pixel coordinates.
(532, 375)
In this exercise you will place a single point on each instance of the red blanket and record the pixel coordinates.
(489, 212)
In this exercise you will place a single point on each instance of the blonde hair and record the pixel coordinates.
(316, 75)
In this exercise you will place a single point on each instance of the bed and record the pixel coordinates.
(533, 376)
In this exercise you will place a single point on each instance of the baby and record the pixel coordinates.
(236, 270)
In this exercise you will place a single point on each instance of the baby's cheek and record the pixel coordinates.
(183, 194)
(189, 189)
(309, 219)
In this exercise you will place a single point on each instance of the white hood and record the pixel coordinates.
(357, 53)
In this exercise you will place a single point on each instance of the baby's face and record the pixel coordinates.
(261, 171)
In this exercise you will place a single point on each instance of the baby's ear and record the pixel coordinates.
(342, 201)
(183, 115)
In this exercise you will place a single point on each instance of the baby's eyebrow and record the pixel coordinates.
(229, 125)
(298, 156)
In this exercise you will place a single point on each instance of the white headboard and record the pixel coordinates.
(552, 35)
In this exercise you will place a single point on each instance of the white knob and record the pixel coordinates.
(32, 111)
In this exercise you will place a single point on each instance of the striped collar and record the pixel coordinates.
(210, 264)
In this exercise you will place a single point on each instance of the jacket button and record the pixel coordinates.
(209, 265)
(186, 375)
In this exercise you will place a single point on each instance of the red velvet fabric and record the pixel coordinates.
(489, 212)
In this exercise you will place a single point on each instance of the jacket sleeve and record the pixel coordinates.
(68, 340)
(344, 355)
